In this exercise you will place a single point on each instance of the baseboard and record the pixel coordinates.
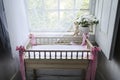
(99, 76)
(14, 75)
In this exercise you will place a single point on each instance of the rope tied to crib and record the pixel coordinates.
(84, 37)
(92, 64)
(21, 50)
(32, 39)
(91, 71)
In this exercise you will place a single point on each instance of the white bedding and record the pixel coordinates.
(59, 47)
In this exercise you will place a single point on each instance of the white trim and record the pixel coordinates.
(92, 6)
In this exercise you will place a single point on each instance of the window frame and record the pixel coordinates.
(57, 10)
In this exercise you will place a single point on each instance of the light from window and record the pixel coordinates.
(54, 15)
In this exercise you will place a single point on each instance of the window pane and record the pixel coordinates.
(46, 22)
(85, 4)
(66, 4)
(81, 12)
(34, 20)
(66, 20)
(51, 4)
(78, 4)
(52, 21)
(32, 4)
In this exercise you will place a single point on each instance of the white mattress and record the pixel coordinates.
(59, 47)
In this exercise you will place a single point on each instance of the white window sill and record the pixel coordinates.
(45, 34)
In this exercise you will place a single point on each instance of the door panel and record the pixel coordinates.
(104, 31)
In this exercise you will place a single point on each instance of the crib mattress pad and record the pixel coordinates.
(59, 47)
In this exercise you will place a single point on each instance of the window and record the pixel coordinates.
(54, 15)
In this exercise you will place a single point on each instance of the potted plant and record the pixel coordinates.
(85, 22)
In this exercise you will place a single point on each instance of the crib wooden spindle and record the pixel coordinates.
(55, 55)
(66, 55)
(38, 41)
(39, 55)
(60, 55)
(44, 54)
(35, 40)
(34, 54)
(82, 54)
(87, 55)
(71, 55)
(29, 55)
(77, 55)
(50, 54)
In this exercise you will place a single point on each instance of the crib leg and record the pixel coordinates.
(34, 74)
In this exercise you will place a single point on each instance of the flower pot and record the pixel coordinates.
(84, 30)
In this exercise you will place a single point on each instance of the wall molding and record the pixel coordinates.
(14, 75)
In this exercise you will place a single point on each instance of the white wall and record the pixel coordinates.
(106, 12)
(17, 23)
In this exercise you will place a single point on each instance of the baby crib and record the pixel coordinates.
(63, 52)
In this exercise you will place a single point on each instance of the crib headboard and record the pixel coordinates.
(58, 40)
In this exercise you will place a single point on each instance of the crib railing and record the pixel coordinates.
(89, 44)
(57, 40)
(53, 40)
(57, 54)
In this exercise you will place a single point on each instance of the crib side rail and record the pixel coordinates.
(89, 44)
(27, 45)
(57, 54)
(57, 40)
